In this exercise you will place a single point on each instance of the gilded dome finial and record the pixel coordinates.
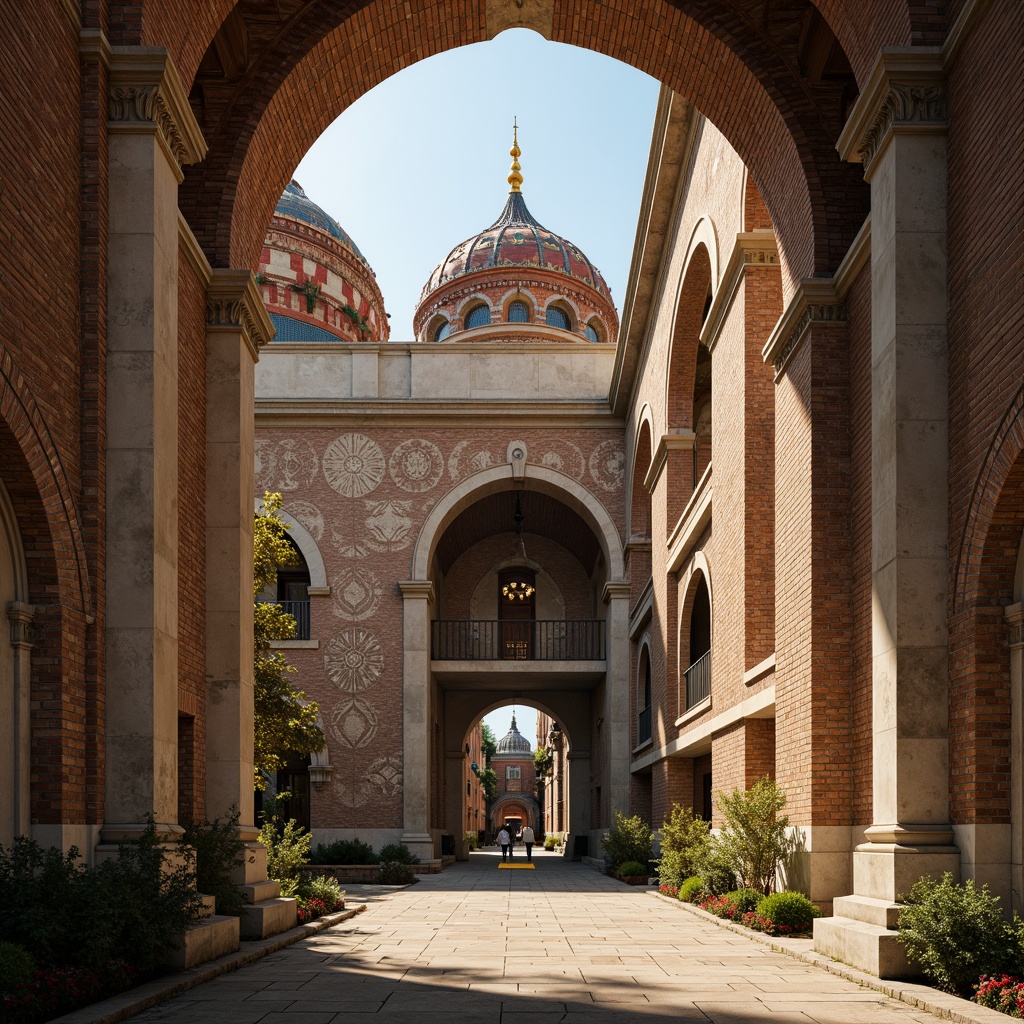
(515, 179)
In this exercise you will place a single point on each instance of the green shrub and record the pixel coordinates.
(287, 851)
(472, 840)
(125, 911)
(714, 865)
(397, 853)
(319, 887)
(785, 912)
(631, 869)
(344, 851)
(744, 900)
(628, 839)
(684, 841)
(218, 851)
(549, 842)
(394, 873)
(16, 966)
(691, 890)
(754, 840)
(957, 933)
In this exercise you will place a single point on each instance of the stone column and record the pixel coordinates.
(1015, 635)
(418, 596)
(898, 130)
(454, 788)
(616, 709)
(236, 325)
(20, 617)
(152, 134)
(577, 814)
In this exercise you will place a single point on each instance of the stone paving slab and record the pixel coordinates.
(562, 943)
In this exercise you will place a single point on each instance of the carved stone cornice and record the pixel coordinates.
(233, 301)
(905, 92)
(815, 302)
(21, 616)
(145, 93)
(417, 590)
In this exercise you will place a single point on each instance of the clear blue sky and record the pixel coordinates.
(419, 163)
(526, 722)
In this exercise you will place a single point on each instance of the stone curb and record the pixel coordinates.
(119, 1007)
(923, 997)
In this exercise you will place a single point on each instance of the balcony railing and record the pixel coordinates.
(643, 725)
(497, 640)
(299, 610)
(698, 680)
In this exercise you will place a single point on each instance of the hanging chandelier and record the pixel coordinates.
(521, 589)
(518, 590)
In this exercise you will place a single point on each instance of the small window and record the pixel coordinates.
(518, 313)
(442, 330)
(513, 772)
(556, 317)
(591, 331)
(479, 316)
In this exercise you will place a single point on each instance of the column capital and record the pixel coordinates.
(906, 91)
(615, 591)
(814, 302)
(417, 590)
(21, 616)
(146, 94)
(751, 250)
(233, 300)
(1014, 615)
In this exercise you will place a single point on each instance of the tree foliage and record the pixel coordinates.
(684, 844)
(285, 720)
(754, 841)
(490, 743)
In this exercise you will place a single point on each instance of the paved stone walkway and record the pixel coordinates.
(564, 944)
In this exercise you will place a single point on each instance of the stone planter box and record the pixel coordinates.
(634, 879)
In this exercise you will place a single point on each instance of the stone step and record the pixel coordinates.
(865, 946)
(209, 907)
(206, 939)
(257, 892)
(268, 917)
(881, 913)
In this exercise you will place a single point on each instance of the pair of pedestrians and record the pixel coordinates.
(507, 843)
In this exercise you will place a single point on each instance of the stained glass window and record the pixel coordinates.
(479, 316)
(518, 313)
(556, 317)
(442, 331)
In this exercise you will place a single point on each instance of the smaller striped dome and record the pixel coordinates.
(294, 203)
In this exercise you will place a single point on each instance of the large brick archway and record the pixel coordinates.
(264, 89)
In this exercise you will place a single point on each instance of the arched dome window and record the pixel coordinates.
(478, 316)
(558, 318)
(443, 329)
(518, 312)
(591, 331)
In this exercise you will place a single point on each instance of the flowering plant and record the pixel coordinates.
(57, 990)
(669, 890)
(311, 909)
(1004, 993)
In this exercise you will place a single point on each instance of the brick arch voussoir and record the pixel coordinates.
(715, 58)
(682, 361)
(995, 517)
(66, 550)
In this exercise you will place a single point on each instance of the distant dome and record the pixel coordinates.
(516, 239)
(294, 203)
(513, 742)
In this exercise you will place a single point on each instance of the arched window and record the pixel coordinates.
(643, 720)
(479, 316)
(591, 331)
(443, 329)
(518, 313)
(698, 675)
(558, 318)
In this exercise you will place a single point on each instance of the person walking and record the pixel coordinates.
(528, 841)
(504, 839)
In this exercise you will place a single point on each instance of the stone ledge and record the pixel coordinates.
(268, 917)
(127, 1004)
(913, 994)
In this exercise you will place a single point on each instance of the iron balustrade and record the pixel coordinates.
(698, 680)
(512, 640)
(643, 725)
(298, 610)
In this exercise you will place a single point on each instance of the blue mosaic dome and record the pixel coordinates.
(295, 204)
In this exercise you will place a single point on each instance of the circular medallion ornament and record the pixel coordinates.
(353, 723)
(353, 659)
(309, 515)
(356, 593)
(416, 465)
(608, 465)
(297, 464)
(386, 774)
(264, 464)
(353, 465)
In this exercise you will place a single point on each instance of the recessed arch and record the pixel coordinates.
(306, 544)
(499, 478)
(638, 510)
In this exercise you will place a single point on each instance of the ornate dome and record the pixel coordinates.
(516, 239)
(513, 742)
(296, 205)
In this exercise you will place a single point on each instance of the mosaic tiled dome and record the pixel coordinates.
(513, 742)
(294, 203)
(516, 239)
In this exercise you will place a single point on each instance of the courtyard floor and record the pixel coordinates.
(562, 943)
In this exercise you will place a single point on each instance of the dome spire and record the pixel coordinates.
(515, 179)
